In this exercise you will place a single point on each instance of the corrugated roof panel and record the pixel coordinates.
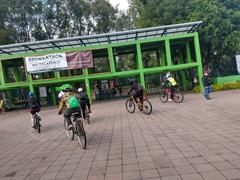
(108, 38)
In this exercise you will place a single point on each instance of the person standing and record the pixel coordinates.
(207, 84)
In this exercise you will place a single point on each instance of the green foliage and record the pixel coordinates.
(30, 20)
(220, 87)
(220, 32)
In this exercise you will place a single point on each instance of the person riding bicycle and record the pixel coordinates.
(34, 106)
(171, 82)
(138, 90)
(69, 103)
(84, 101)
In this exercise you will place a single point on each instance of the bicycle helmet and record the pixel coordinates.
(60, 95)
(168, 75)
(131, 81)
(80, 89)
(66, 88)
(30, 94)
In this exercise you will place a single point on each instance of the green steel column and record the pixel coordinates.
(10, 95)
(111, 60)
(53, 94)
(188, 52)
(183, 75)
(168, 52)
(140, 64)
(2, 82)
(16, 73)
(87, 84)
(57, 75)
(158, 57)
(29, 78)
(199, 60)
(163, 57)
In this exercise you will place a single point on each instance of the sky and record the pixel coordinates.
(123, 4)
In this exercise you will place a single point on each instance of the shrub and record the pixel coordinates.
(220, 87)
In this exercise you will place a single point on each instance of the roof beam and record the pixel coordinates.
(193, 27)
(109, 40)
(81, 41)
(164, 31)
(136, 37)
(54, 44)
(27, 47)
(5, 52)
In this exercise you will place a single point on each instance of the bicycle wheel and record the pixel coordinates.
(163, 97)
(130, 106)
(34, 123)
(87, 117)
(38, 126)
(147, 107)
(81, 135)
(178, 96)
(70, 133)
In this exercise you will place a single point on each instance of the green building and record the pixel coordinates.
(143, 53)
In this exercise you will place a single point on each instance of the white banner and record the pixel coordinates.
(238, 63)
(46, 63)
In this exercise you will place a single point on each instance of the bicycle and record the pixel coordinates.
(166, 92)
(87, 115)
(145, 107)
(36, 122)
(77, 128)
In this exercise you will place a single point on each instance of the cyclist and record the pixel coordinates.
(170, 81)
(70, 103)
(34, 106)
(84, 101)
(138, 91)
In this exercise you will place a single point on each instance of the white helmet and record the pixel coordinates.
(80, 89)
(60, 95)
(168, 75)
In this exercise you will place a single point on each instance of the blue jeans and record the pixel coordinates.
(208, 89)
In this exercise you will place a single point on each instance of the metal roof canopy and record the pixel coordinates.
(100, 39)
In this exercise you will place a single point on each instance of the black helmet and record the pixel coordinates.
(68, 90)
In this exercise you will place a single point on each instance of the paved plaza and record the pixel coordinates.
(195, 140)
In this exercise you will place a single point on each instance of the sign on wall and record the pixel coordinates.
(238, 63)
(59, 61)
(46, 63)
(43, 91)
(78, 60)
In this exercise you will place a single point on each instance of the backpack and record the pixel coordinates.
(73, 102)
(82, 95)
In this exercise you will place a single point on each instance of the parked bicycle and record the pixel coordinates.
(77, 129)
(36, 122)
(145, 107)
(166, 92)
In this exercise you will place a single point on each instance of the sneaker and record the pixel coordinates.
(89, 111)
(209, 98)
(170, 100)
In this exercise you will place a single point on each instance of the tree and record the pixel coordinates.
(103, 15)
(220, 32)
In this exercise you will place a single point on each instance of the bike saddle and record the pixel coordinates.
(76, 114)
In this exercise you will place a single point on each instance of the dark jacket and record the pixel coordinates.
(33, 103)
(206, 81)
(136, 87)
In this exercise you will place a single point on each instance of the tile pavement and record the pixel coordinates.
(197, 139)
